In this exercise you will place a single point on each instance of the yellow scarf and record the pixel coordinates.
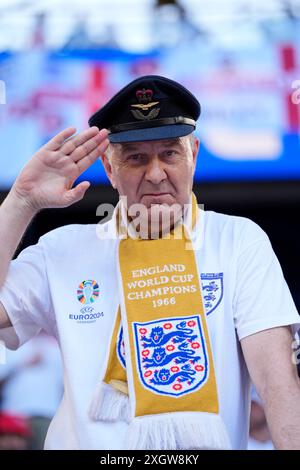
(168, 372)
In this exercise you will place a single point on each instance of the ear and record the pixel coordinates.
(196, 150)
(108, 169)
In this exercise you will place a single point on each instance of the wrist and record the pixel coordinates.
(15, 203)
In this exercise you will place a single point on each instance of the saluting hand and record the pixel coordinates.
(46, 180)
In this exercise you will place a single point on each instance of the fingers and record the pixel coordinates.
(90, 158)
(79, 146)
(80, 139)
(77, 193)
(88, 146)
(58, 139)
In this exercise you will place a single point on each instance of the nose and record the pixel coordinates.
(155, 172)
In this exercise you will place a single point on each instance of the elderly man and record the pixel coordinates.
(162, 313)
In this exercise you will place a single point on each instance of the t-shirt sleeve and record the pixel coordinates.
(262, 298)
(26, 298)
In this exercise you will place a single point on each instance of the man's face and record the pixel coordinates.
(153, 172)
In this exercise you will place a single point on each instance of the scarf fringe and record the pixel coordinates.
(185, 431)
(109, 404)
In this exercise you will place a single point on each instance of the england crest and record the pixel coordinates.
(171, 355)
(212, 290)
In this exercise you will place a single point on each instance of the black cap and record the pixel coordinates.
(149, 108)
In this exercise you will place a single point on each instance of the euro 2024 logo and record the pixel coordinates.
(87, 294)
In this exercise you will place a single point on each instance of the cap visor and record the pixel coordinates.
(151, 133)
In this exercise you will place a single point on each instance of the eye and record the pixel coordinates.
(136, 157)
(170, 153)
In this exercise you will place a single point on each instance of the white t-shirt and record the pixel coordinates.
(243, 289)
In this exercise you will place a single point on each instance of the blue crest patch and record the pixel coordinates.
(212, 290)
(171, 355)
(121, 348)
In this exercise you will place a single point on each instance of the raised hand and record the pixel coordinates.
(46, 180)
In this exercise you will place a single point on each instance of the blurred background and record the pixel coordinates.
(60, 60)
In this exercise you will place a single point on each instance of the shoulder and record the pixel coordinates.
(68, 239)
(238, 231)
(75, 238)
(68, 233)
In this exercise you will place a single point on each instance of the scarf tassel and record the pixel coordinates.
(197, 431)
(109, 404)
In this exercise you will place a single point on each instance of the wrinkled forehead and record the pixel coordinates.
(149, 145)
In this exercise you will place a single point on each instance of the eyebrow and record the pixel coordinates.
(127, 146)
(175, 141)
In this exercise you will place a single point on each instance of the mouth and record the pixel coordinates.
(156, 194)
(157, 198)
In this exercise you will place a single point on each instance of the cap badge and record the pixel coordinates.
(144, 98)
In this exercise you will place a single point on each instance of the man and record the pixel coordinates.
(158, 333)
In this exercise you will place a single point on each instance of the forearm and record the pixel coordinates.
(15, 216)
(283, 416)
